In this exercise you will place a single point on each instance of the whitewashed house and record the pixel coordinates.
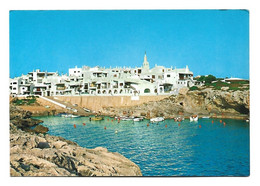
(105, 81)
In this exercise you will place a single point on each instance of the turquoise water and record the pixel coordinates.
(191, 149)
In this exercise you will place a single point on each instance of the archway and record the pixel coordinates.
(147, 90)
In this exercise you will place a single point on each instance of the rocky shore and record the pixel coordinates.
(206, 102)
(35, 153)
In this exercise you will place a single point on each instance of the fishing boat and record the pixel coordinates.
(194, 118)
(157, 119)
(97, 118)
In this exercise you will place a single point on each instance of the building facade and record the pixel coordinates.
(104, 81)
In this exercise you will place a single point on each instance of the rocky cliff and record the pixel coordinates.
(208, 102)
(35, 154)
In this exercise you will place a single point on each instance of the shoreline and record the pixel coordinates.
(37, 153)
(204, 103)
(220, 116)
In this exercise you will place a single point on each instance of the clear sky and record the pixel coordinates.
(208, 41)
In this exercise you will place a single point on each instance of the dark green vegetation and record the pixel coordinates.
(29, 100)
(207, 79)
(235, 85)
(211, 81)
(194, 88)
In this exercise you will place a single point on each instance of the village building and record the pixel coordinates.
(143, 80)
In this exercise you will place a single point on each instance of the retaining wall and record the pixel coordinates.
(98, 102)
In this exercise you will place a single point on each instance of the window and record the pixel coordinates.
(168, 75)
(14, 88)
(74, 71)
(14, 83)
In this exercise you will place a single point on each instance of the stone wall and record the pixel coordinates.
(99, 102)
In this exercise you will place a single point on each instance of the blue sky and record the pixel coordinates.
(208, 41)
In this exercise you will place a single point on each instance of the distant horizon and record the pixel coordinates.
(208, 41)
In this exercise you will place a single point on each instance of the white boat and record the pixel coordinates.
(87, 110)
(137, 119)
(69, 116)
(127, 118)
(194, 118)
(157, 119)
(205, 117)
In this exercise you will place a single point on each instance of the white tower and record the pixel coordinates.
(145, 63)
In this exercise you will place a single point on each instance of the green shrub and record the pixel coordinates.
(193, 88)
(234, 88)
(31, 101)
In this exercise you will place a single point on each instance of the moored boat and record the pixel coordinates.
(69, 116)
(178, 119)
(194, 118)
(137, 119)
(157, 119)
(97, 118)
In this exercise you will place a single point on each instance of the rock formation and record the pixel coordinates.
(35, 154)
(232, 104)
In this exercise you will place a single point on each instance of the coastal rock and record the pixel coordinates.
(33, 154)
(231, 104)
(40, 129)
(43, 145)
(183, 91)
(21, 118)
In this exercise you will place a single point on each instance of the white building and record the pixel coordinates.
(105, 81)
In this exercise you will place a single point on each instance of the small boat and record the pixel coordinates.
(69, 116)
(87, 110)
(137, 119)
(157, 119)
(60, 114)
(97, 118)
(126, 118)
(205, 117)
(194, 118)
(179, 119)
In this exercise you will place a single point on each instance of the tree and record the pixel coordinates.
(210, 78)
(201, 78)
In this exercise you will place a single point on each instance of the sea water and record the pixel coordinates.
(204, 148)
